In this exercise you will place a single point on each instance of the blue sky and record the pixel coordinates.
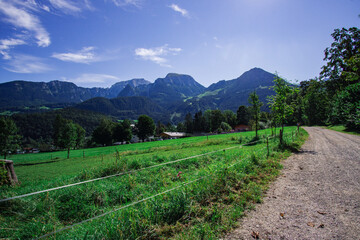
(100, 42)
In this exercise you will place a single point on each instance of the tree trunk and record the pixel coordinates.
(68, 154)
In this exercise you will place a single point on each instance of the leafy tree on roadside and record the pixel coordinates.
(146, 127)
(342, 57)
(279, 103)
(255, 110)
(8, 136)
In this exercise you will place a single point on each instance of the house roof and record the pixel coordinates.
(175, 134)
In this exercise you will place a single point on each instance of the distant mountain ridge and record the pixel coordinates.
(24, 93)
(166, 91)
(167, 99)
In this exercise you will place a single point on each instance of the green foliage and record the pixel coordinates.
(189, 123)
(146, 127)
(231, 183)
(346, 107)
(67, 134)
(122, 131)
(225, 127)
(103, 134)
(255, 110)
(230, 118)
(243, 115)
(342, 67)
(281, 106)
(315, 102)
(8, 136)
(4, 180)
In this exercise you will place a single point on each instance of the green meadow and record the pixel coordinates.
(195, 198)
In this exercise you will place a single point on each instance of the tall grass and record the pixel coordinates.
(232, 181)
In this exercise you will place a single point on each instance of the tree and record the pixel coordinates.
(255, 110)
(199, 122)
(80, 136)
(340, 59)
(315, 103)
(68, 136)
(8, 136)
(160, 128)
(58, 124)
(122, 131)
(189, 123)
(243, 115)
(280, 106)
(230, 118)
(346, 106)
(146, 127)
(103, 134)
(216, 119)
(225, 127)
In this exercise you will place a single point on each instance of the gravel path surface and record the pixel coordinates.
(317, 195)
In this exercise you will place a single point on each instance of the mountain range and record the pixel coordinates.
(167, 99)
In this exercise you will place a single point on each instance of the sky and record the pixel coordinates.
(96, 43)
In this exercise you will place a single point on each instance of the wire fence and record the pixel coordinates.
(142, 200)
(142, 169)
(124, 173)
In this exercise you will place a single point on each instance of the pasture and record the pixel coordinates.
(160, 195)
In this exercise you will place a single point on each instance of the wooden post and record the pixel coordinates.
(9, 167)
(267, 145)
(292, 135)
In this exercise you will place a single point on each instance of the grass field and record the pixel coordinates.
(342, 128)
(209, 194)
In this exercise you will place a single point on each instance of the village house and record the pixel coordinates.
(172, 135)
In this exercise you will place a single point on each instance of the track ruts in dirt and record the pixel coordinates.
(317, 196)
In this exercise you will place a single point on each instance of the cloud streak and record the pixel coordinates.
(22, 63)
(180, 10)
(65, 6)
(157, 55)
(94, 80)
(23, 19)
(6, 44)
(124, 3)
(85, 55)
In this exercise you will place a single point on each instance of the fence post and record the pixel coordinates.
(267, 145)
(292, 135)
(9, 166)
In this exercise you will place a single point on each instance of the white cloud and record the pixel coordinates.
(22, 63)
(23, 19)
(65, 5)
(178, 9)
(94, 80)
(6, 44)
(124, 3)
(157, 54)
(85, 55)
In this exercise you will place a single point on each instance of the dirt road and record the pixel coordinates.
(316, 197)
